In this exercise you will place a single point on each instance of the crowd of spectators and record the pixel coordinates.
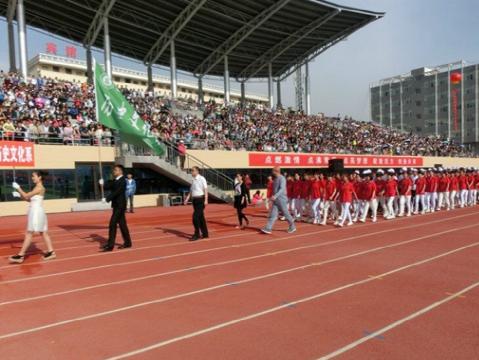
(47, 110)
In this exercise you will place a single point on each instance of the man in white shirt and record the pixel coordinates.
(199, 198)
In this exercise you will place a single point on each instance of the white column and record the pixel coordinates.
(89, 65)
(270, 85)
(11, 47)
(149, 74)
(449, 102)
(436, 105)
(22, 38)
(243, 93)
(401, 108)
(226, 81)
(307, 89)
(477, 102)
(173, 81)
(380, 104)
(278, 93)
(107, 47)
(200, 90)
(463, 121)
(390, 104)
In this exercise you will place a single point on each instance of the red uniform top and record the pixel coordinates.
(390, 188)
(357, 185)
(462, 182)
(433, 185)
(380, 185)
(405, 186)
(477, 181)
(289, 188)
(269, 189)
(329, 189)
(454, 183)
(297, 184)
(316, 189)
(305, 189)
(443, 185)
(369, 190)
(420, 185)
(470, 182)
(347, 190)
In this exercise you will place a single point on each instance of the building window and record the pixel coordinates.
(56, 68)
(68, 71)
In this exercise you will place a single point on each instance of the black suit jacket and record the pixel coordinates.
(117, 194)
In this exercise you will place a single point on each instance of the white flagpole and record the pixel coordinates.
(99, 139)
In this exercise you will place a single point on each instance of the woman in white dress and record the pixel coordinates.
(37, 220)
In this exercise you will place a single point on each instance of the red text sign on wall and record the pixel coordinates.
(15, 153)
(322, 160)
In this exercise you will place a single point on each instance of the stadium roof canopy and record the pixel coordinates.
(253, 33)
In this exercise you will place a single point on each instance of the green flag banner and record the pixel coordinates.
(114, 111)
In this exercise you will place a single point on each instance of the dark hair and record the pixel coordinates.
(197, 168)
(119, 166)
(40, 173)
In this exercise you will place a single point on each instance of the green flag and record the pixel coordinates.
(114, 111)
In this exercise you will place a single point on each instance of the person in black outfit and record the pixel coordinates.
(117, 197)
(240, 200)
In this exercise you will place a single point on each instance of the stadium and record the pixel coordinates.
(249, 227)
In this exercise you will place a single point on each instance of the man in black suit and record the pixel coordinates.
(117, 196)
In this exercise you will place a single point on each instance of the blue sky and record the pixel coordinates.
(413, 33)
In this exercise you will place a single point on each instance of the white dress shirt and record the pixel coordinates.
(198, 186)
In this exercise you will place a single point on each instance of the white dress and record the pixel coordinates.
(37, 219)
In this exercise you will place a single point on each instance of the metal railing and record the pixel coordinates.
(181, 160)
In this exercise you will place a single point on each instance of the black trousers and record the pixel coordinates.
(118, 218)
(199, 221)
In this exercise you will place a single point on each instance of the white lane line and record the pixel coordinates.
(225, 237)
(281, 307)
(156, 258)
(398, 322)
(199, 291)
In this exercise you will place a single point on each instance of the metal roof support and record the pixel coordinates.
(463, 121)
(89, 65)
(11, 34)
(173, 83)
(278, 94)
(307, 90)
(107, 47)
(160, 46)
(238, 37)
(227, 81)
(314, 52)
(276, 51)
(22, 38)
(97, 23)
(270, 85)
(149, 75)
(200, 90)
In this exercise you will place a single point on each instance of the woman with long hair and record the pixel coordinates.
(240, 200)
(37, 219)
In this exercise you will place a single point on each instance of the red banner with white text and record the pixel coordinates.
(322, 160)
(17, 153)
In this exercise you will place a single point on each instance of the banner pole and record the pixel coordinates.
(99, 138)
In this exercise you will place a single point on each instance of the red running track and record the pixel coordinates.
(407, 288)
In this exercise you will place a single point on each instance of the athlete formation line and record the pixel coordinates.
(344, 199)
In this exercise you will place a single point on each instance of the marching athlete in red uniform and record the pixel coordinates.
(368, 193)
(420, 193)
(346, 196)
(443, 190)
(390, 192)
(329, 196)
(316, 195)
(405, 192)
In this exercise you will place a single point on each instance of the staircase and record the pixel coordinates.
(220, 187)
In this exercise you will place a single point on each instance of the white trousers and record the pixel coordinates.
(390, 206)
(345, 213)
(369, 205)
(443, 198)
(420, 200)
(463, 197)
(405, 202)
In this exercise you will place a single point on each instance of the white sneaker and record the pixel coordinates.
(374, 220)
(350, 223)
(362, 220)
